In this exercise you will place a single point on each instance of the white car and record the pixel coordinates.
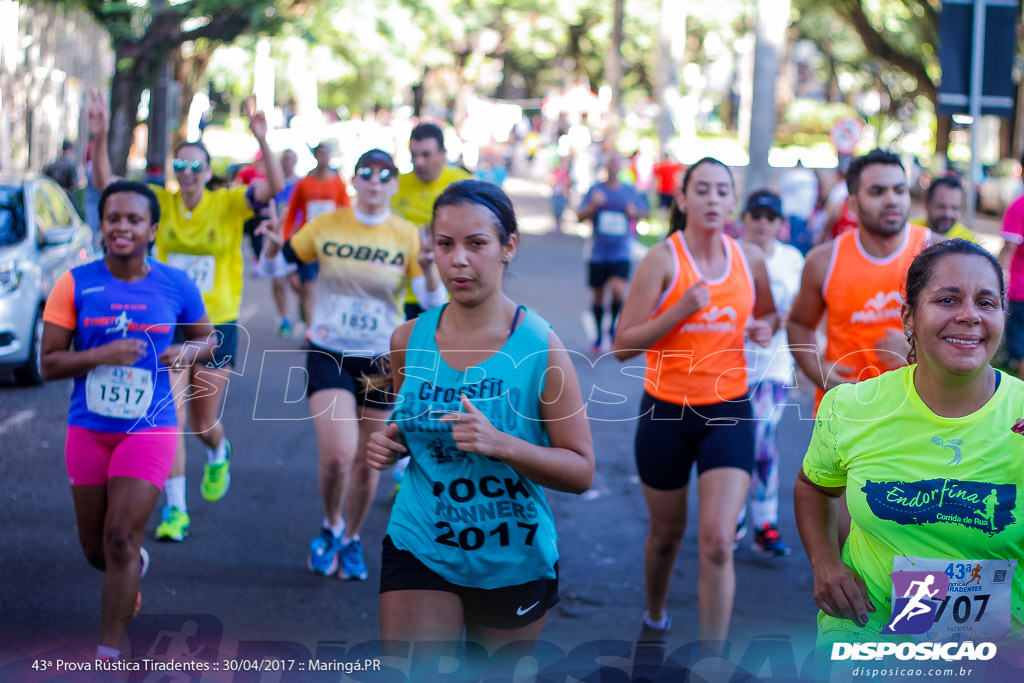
(41, 236)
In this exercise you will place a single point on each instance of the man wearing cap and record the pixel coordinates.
(321, 191)
(417, 191)
(367, 256)
(769, 369)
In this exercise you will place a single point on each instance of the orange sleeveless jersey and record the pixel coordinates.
(701, 361)
(863, 295)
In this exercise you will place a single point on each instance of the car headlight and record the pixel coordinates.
(10, 277)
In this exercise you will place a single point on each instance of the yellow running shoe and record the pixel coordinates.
(173, 526)
(217, 478)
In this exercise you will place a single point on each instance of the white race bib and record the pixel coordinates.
(200, 268)
(318, 207)
(977, 602)
(612, 223)
(358, 320)
(121, 391)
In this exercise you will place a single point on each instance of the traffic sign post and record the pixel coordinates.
(977, 47)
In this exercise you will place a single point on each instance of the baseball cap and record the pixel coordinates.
(764, 199)
(377, 156)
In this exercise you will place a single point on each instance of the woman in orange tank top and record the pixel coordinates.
(694, 299)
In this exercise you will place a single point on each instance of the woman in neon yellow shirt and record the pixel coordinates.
(201, 233)
(932, 470)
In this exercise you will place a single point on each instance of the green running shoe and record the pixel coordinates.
(174, 525)
(217, 478)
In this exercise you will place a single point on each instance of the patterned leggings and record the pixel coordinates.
(767, 403)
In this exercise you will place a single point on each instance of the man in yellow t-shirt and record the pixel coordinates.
(942, 203)
(417, 191)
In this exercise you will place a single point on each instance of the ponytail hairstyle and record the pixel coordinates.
(677, 217)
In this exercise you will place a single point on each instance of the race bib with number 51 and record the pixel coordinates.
(120, 391)
(201, 269)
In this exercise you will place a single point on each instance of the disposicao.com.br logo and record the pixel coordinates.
(916, 597)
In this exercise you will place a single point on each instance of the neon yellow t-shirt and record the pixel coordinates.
(361, 284)
(958, 230)
(207, 244)
(414, 200)
(923, 486)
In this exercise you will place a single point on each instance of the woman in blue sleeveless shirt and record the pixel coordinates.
(489, 407)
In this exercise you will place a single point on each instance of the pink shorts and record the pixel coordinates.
(94, 457)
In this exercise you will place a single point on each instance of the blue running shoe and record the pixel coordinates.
(323, 553)
(352, 566)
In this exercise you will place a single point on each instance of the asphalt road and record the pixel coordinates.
(236, 595)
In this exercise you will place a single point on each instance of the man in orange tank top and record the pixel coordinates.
(857, 280)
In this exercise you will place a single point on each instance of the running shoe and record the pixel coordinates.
(323, 553)
(284, 330)
(143, 562)
(174, 525)
(217, 478)
(768, 542)
(352, 566)
(653, 634)
(595, 348)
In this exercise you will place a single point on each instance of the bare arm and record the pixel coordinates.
(59, 361)
(593, 205)
(200, 343)
(264, 192)
(637, 330)
(99, 123)
(805, 314)
(1006, 257)
(838, 589)
(568, 463)
(384, 448)
(766, 319)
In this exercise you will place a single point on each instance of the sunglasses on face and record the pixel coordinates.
(383, 174)
(180, 165)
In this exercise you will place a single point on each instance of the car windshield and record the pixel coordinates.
(12, 224)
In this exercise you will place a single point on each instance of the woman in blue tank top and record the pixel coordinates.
(489, 408)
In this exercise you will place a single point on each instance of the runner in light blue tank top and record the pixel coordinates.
(490, 411)
(475, 521)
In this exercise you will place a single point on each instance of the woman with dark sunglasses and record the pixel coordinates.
(201, 233)
(366, 256)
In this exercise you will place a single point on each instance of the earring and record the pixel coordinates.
(505, 261)
(909, 335)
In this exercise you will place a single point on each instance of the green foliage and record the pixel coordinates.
(807, 122)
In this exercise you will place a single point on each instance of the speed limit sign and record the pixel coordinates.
(846, 134)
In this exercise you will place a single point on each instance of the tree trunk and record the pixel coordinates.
(613, 66)
(671, 40)
(772, 19)
(125, 94)
(189, 72)
(943, 126)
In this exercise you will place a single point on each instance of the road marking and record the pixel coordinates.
(16, 420)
